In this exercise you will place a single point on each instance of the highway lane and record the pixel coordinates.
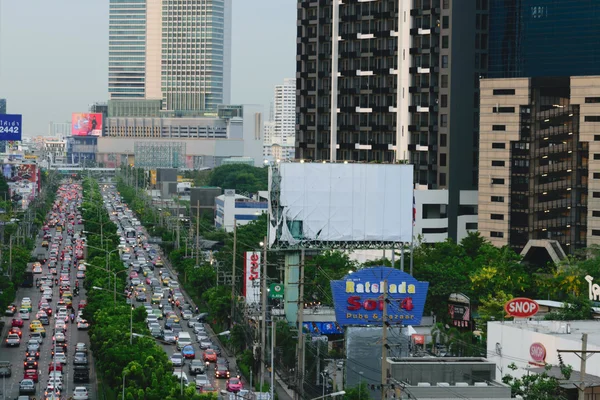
(17, 355)
(219, 384)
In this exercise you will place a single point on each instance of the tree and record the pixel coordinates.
(320, 270)
(491, 308)
(575, 308)
(241, 177)
(537, 386)
(358, 392)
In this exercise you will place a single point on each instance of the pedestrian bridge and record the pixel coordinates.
(75, 168)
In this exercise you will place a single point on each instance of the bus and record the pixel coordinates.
(28, 276)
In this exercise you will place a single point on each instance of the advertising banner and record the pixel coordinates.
(86, 124)
(11, 127)
(251, 289)
(16, 172)
(358, 297)
(323, 328)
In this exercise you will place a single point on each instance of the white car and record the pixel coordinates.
(186, 314)
(80, 393)
(24, 313)
(60, 358)
(56, 382)
(60, 337)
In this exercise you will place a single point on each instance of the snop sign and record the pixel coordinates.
(537, 352)
(521, 307)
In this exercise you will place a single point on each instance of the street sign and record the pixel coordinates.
(276, 291)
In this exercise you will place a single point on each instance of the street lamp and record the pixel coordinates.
(108, 253)
(110, 272)
(131, 307)
(334, 394)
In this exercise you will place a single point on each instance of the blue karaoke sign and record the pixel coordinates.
(11, 127)
(358, 297)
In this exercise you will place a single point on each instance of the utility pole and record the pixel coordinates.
(273, 338)
(198, 233)
(233, 298)
(384, 368)
(585, 354)
(263, 302)
(299, 392)
(178, 239)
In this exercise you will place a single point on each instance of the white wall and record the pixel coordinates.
(515, 338)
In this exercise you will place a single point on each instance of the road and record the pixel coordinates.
(16, 355)
(110, 194)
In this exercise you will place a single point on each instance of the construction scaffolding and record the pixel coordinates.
(152, 155)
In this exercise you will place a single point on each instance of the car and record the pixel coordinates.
(197, 367)
(27, 386)
(10, 310)
(80, 275)
(209, 355)
(30, 363)
(60, 337)
(56, 382)
(81, 347)
(169, 337)
(80, 393)
(60, 358)
(39, 329)
(205, 344)
(17, 322)
(188, 352)
(156, 333)
(176, 359)
(82, 304)
(186, 314)
(80, 358)
(216, 348)
(221, 361)
(60, 347)
(208, 389)
(16, 330)
(33, 353)
(37, 269)
(234, 385)
(32, 374)
(5, 369)
(55, 366)
(52, 391)
(13, 340)
(37, 336)
(222, 371)
(83, 324)
(202, 380)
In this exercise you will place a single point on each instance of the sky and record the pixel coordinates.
(54, 55)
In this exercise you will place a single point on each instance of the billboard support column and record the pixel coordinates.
(384, 344)
(263, 305)
(299, 392)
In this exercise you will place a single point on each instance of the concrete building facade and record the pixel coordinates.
(538, 154)
(232, 209)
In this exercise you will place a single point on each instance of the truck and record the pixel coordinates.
(81, 373)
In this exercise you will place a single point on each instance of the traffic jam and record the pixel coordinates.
(177, 326)
(45, 324)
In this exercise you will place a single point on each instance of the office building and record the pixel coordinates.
(539, 154)
(235, 209)
(284, 110)
(396, 67)
(169, 50)
(533, 38)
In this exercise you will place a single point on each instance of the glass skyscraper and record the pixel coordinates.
(531, 38)
(127, 49)
(177, 51)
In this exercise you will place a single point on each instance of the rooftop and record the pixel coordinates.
(557, 328)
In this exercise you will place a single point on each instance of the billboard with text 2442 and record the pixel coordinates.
(11, 127)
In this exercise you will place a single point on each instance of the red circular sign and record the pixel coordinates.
(537, 351)
(521, 307)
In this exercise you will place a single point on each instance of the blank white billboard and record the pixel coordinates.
(345, 202)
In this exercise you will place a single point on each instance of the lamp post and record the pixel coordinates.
(334, 394)
(131, 307)
(108, 253)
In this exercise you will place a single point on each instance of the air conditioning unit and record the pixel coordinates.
(443, 384)
(423, 384)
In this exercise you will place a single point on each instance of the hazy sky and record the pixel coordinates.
(54, 55)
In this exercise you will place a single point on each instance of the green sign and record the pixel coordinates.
(276, 291)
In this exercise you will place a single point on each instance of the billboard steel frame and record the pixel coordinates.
(152, 155)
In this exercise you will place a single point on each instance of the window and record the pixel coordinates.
(445, 42)
(471, 226)
(443, 140)
(443, 159)
(444, 81)
(444, 100)
(595, 213)
(499, 217)
(592, 118)
(495, 234)
(497, 181)
(444, 61)
(497, 163)
(503, 92)
(596, 195)
(442, 179)
(595, 232)
(592, 99)
(498, 145)
(445, 22)
(497, 199)
(503, 109)
(434, 230)
(596, 156)
(446, 4)
(444, 120)
(597, 138)
(498, 127)
(596, 175)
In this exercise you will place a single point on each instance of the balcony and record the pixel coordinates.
(551, 186)
(554, 149)
(552, 204)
